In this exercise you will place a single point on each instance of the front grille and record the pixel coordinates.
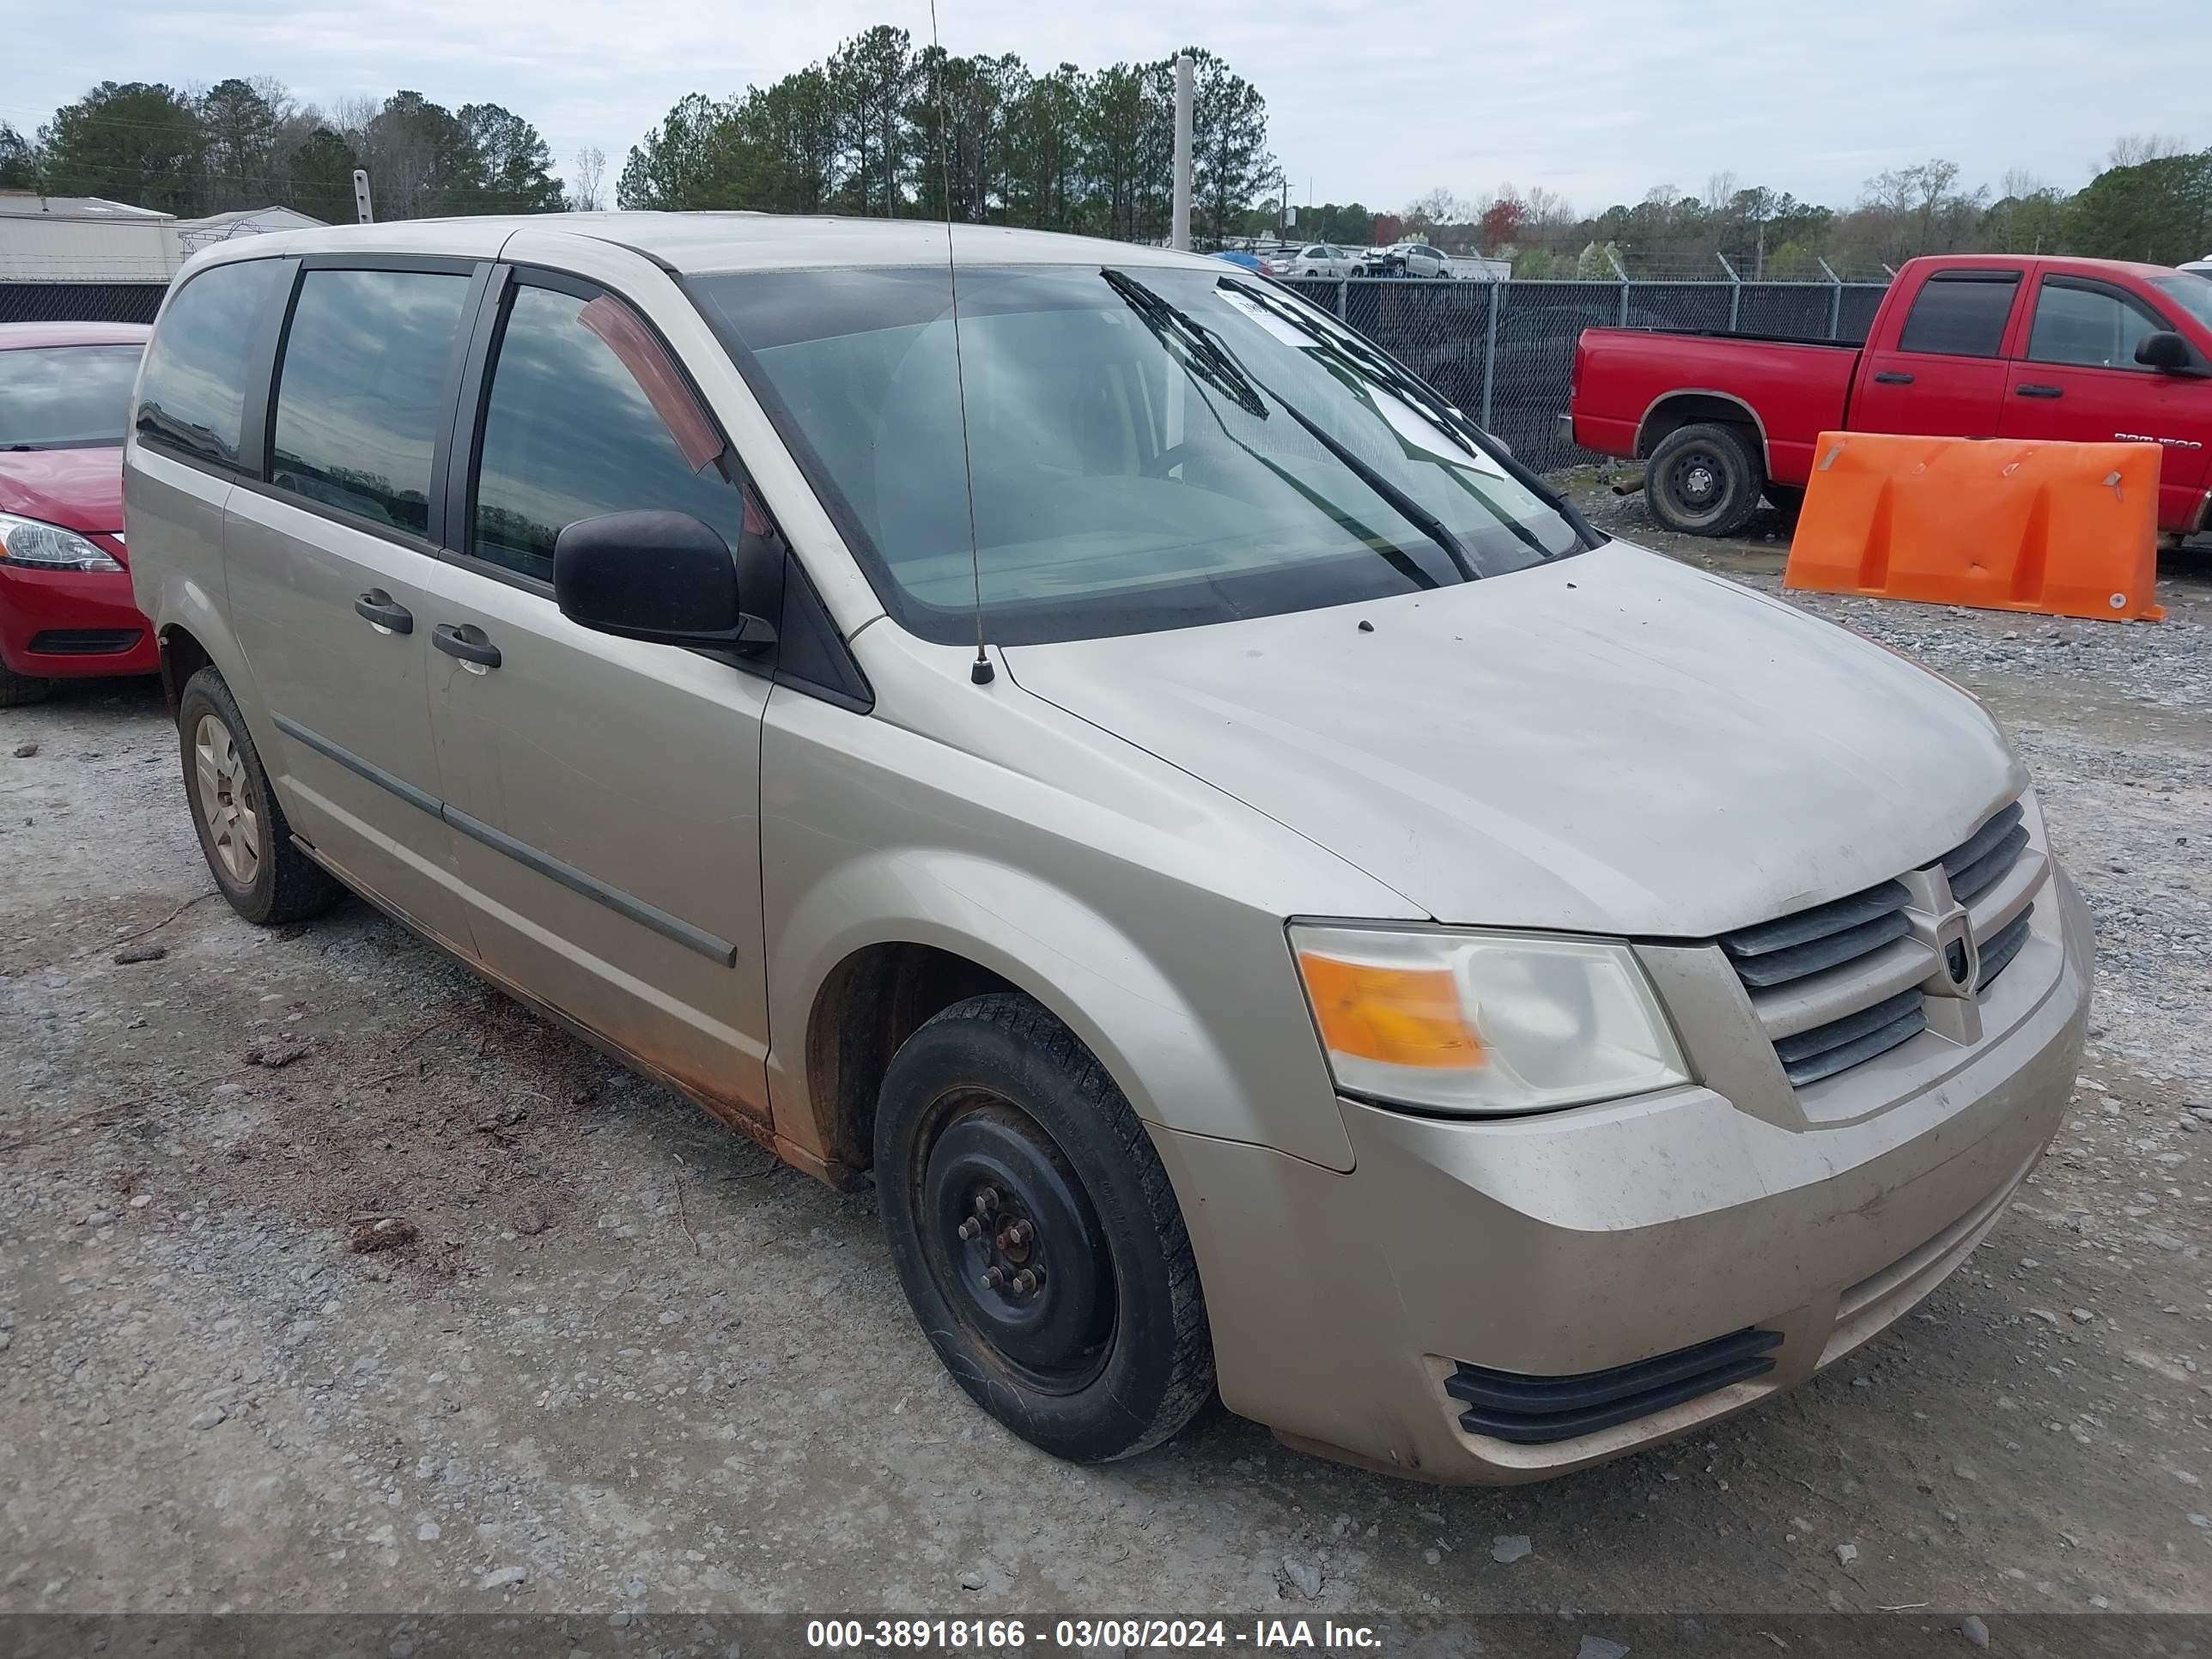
(1998, 952)
(83, 642)
(1987, 856)
(1838, 983)
(1812, 950)
(1536, 1410)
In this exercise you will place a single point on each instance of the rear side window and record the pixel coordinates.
(192, 397)
(2089, 325)
(1961, 314)
(570, 432)
(360, 389)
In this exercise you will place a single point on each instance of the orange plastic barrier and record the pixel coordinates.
(2064, 530)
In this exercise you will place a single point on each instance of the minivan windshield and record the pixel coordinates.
(66, 396)
(1146, 447)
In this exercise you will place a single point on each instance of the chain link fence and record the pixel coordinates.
(1504, 351)
(80, 302)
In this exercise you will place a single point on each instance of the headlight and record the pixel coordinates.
(1484, 1023)
(48, 546)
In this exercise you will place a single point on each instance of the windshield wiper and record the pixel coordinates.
(1217, 367)
(1222, 362)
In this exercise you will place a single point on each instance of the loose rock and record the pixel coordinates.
(1508, 1550)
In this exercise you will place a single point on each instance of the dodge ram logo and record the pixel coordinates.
(1961, 960)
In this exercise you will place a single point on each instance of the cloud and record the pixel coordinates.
(1378, 100)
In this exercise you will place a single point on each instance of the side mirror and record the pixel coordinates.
(2166, 351)
(653, 575)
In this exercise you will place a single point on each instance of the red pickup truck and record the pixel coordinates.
(1963, 346)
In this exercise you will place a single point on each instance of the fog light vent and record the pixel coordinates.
(1535, 1410)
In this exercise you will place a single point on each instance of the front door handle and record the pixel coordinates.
(380, 610)
(2040, 390)
(477, 653)
(1891, 377)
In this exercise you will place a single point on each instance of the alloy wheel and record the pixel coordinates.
(225, 802)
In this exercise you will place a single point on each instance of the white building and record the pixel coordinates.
(196, 233)
(82, 239)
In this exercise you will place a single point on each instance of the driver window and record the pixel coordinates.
(571, 432)
(2088, 325)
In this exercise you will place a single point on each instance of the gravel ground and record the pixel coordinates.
(330, 1279)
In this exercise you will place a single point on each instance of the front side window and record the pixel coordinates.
(1961, 314)
(361, 388)
(192, 398)
(66, 396)
(2089, 325)
(570, 433)
(1153, 447)
(2191, 294)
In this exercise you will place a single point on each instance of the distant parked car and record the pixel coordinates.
(1326, 259)
(1257, 263)
(2198, 267)
(65, 603)
(1416, 259)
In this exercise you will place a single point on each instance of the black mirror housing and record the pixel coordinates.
(656, 576)
(2164, 351)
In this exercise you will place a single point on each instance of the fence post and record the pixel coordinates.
(1736, 289)
(1835, 300)
(1490, 353)
(1613, 259)
(1343, 288)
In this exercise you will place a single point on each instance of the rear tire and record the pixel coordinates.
(17, 689)
(1703, 480)
(1072, 1314)
(242, 829)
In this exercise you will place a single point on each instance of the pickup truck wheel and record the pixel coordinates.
(1704, 481)
(241, 824)
(1036, 1235)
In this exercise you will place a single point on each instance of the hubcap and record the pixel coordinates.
(1697, 482)
(225, 805)
(1015, 1245)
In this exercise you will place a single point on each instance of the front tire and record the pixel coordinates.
(242, 828)
(1703, 480)
(1036, 1235)
(18, 689)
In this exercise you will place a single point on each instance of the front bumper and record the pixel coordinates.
(59, 624)
(1570, 1243)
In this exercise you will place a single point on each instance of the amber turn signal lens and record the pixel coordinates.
(1398, 1016)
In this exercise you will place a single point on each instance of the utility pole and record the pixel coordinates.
(363, 210)
(1179, 234)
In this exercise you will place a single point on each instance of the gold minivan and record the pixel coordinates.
(1273, 901)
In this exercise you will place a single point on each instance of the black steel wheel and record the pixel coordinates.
(1035, 1233)
(1703, 480)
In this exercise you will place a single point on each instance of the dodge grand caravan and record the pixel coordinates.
(1273, 901)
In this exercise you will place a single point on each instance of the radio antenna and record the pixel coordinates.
(979, 672)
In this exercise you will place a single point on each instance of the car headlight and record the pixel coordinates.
(1484, 1023)
(48, 546)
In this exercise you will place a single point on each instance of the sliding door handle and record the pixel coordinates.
(381, 611)
(476, 653)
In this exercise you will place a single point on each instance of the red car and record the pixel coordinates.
(1981, 345)
(65, 603)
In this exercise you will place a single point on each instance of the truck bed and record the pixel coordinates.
(1790, 390)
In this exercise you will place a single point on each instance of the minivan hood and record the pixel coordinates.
(76, 489)
(1613, 743)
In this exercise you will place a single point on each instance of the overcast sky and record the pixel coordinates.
(1373, 99)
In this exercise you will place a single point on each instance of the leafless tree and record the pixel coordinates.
(586, 180)
(2137, 148)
